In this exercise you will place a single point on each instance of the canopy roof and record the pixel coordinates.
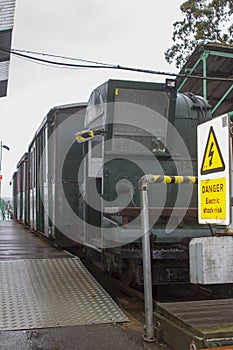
(210, 61)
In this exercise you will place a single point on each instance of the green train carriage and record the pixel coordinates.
(140, 128)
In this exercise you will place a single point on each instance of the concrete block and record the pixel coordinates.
(211, 260)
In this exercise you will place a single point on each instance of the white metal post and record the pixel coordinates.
(149, 335)
(143, 185)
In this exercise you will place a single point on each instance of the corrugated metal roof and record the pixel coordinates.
(7, 13)
(219, 63)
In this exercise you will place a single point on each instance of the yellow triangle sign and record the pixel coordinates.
(212, 159)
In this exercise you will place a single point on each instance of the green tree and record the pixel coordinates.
(203, 21)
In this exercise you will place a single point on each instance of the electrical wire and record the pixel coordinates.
(98, 65)
(54, 66)
(59, 56)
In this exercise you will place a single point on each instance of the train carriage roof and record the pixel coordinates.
(211, 61)
(52, 113)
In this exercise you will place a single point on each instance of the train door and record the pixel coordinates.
(42, 182)
(51, 166)
(24, 189)
(94, 178)
(20, 194)
(15, 190)
(32, 187)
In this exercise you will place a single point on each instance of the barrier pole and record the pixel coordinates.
(143, 185)
(149, 335)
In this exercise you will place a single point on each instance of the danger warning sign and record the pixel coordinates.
(214, 172)
(212, 161)
(213, 199)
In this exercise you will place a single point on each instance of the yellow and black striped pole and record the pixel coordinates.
(143, 188)
(165, 179)
(176, 179)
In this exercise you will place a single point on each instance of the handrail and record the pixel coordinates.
(143, 185)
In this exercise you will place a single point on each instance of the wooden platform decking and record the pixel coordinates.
(205, 323)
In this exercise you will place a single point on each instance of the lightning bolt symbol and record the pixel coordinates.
(211, 154)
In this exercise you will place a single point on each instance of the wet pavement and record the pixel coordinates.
(17, 242)
(98, 337)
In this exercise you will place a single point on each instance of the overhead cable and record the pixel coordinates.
(98, 65)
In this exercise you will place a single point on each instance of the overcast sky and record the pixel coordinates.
(126, 32)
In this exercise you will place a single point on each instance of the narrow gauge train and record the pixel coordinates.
(85, 195)
(36, 183)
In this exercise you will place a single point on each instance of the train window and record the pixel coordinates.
(142, 117)
(95, 108)
(157, 101)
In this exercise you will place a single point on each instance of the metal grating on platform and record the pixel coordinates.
(41, 293)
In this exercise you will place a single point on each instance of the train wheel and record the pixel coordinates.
(127, 275)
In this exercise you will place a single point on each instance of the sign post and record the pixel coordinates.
(214, 171)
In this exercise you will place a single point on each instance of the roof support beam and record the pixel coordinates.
(222, 99)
